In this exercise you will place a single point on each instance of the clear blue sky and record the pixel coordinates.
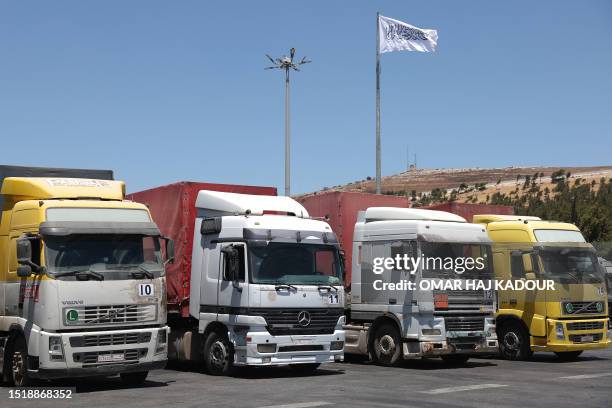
(175, 90)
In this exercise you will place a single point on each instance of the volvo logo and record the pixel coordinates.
(303, 318)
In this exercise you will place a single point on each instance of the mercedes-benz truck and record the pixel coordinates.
(257, 282)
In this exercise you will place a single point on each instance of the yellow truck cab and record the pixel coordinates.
(566, 318)
(82, 284)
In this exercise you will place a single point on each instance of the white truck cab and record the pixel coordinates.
(266, 285)
(391, 324)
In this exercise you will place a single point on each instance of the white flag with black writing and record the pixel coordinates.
(396, 35)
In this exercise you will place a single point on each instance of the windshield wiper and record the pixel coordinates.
(285, 286)
(142, 271)
(329, 287)
(82, 274)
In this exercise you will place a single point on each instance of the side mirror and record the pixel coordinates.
(343, 259)
(230, 271)
(24, 271)
(24, 252)
(169, 250)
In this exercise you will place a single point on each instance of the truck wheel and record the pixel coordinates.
(514, 342)
(568, 355)
(134, 378)
(218, 354)
(387, 345)
(18, 359)
(305, 368)
(455, 359)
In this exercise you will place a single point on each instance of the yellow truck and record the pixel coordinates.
(566, 318)
(82, 285)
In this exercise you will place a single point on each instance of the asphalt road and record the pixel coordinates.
(483, 382)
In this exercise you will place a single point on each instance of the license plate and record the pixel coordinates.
(110, 358)
(304, 341)
(586, 339)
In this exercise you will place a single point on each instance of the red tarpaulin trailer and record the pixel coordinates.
(173, 209)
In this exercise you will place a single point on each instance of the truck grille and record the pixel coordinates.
(113, 339)
(285, 321)
(585, 326)
(90, 358)
(464, 323)
(313, 347)
(577, 338)
(581, 307)
(109, 314)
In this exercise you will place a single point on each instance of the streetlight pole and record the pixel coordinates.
(287, 138)
(287, 63)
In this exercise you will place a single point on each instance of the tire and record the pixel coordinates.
(305, 368)
(455, 359)
(134, 378)
(218, 354)
(386, 347)
(514, 342)
(18, 364)
(568, 355)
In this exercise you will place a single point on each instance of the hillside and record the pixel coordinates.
(471, 184)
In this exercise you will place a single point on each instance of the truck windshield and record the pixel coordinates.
(570, 265)
(116, 256)
(450, 260)
(287, 263)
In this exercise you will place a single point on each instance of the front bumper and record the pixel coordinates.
(110, 370)
(574, 340)
(460, 345)
(451, 342)
(290, 349)
(127, 350)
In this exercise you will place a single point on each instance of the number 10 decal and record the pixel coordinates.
(145, 289)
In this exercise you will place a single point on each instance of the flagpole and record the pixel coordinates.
(378, 176)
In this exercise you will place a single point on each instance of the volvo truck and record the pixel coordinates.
(82, 287)
(257, 282)
(567, 318)
(396, 322)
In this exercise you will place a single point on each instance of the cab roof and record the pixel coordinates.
(245, 204)
(520, 222)
(42, 188)
(413, 214)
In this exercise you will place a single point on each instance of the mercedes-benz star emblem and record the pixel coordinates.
(303, 318)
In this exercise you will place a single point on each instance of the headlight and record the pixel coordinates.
(336, 345)
(162, 339)
(430, 332)
(559, 331)
(56, 350)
